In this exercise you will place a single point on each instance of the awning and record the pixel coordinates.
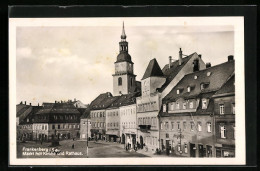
(113, 132)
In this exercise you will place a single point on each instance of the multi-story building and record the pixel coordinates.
(113, 121)
(85, 125)
(98, 115)
(186, 117)
(59, 119)
(128, 119)
(156, 84)
(224, 114)
(24, 119)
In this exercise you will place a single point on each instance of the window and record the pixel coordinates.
(209, 127)
(166, 125)
(191, 126)
(234, 129)
(222, 131)
(161, 125)
(119, 81)
(171, 106)
(221, 109)
(179, 147)
(27, 119)
(233, 108)
(177, 106)
(58, 126)
(204, 103)
(167, 135)
(184, 125)
(188, 89)
(199, 127)
(164, 107)
(178, 125)
(185, 148)
(53, 126)
(172, 125)
(201, 86)
(184, 105)
(191, 105)
(178, 91)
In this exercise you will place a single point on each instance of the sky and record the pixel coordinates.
(62, 63)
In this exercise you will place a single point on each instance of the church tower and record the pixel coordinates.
(124, 78)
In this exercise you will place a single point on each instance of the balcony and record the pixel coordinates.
(145, 128)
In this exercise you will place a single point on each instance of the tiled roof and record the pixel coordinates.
(125, 100)
(86, 113)
(228, 87)
(58, 108)
(105, 103)
(21, 108)
(170, 73)
(214, 76)
(99, 99)
(30, 111)
(153, 69)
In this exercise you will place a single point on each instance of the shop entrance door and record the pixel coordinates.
(192, 150)
(200, 150)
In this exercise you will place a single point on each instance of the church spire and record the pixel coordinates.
(123, 36)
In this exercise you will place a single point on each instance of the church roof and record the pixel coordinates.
(123, 56)
(153, 70)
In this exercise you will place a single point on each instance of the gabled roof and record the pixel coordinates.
(58, 108)
(86, 113)
(216, 76)
(106, 102)
(171, 72)
(228, 87)
(30, 111)
(99, 99)
(21, 108)
(153, 70)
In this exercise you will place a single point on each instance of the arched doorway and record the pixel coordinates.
(123, 139)
(141, 142)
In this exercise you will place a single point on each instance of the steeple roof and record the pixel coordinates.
(123, 36)
(153, 70)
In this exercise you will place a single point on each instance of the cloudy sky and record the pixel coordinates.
(61, 63)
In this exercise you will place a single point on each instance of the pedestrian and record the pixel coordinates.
(72, 146)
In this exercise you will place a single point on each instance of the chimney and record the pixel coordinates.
(108, 94)
(199, 56)
(170, 61)
(38, 104)
(208, 65)
(21, 102)
(30, 104)
(75, 99)
(25, 102)
(230, 58)
(180, 57)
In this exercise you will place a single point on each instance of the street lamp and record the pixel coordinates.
(87, 137)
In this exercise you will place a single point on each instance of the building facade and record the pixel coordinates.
(187, 122)
(224, 113)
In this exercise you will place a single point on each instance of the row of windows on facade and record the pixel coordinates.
(98, 114)
(166, 126)
(26, 127)
(71, 117)
(98, 124)
(190, 88)
(114, 124)
(114, 113)
(176, 105)
(60, 126)
(147, 121)
(128, 112)
(129, 124)
(151, 141)
(147, 106)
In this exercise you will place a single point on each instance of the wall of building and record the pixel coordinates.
(113, 123)
(188, 126)
(64, 130)
(85, 126)
(98, 123)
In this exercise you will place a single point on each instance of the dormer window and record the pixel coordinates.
(191, 105)
(204, 104)
(188, 89)
(164, 107)
(177, 105)
(204, 85)
(195, 77)
(178, 91)
(208, 74)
